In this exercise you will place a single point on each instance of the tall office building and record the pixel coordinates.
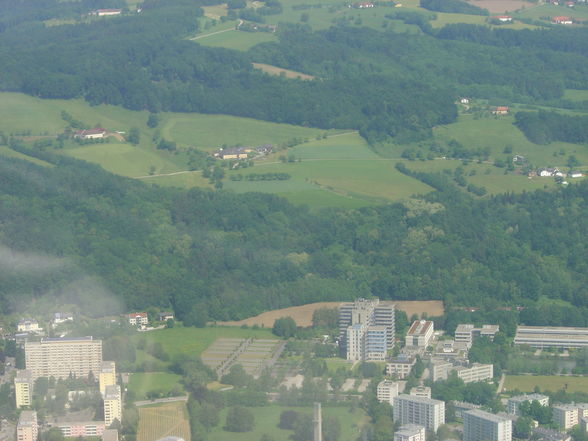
(112, 405)
(479, 425)
(107, 375)
(62, 357)
(23, 388)
(409, 409)
(366, 329)
(27, 428)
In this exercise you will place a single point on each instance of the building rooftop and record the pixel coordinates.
(464, 327)
(27, 417)
(65, 339)
(23, 375)
(112, 392)
(108, 366)
(420, 327)
(527, 397)
(565, 407)
(110, 435)
(550, 434)
(410, 429)
(418, 399)
(487, 415)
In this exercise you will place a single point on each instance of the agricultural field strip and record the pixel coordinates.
(158, 422)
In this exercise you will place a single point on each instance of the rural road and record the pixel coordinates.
(198, 37)
(501, 384)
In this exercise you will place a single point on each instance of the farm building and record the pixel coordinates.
(94, 133)
(562, 20)
(503, 18)
(233, 153)
(363, 5)
(500, 110)
(104, 12)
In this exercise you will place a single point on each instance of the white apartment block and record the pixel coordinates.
(23, 388)
(551, 337)
(479, 425)
(466, 333)
(60, 357)
(366, 329)
(410, 432)
(476, 372)
(409, 409)
(76, 429)
(439, 370)
(584, 423)
(400, 366)
(138, 319)
(515, 402)
(582, 410)
(565, 415)
(112, 405)
(420, 333)
(27, 428)
(421, 391)
(107, 375)
(386, 391)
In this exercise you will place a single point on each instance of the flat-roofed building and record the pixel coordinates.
(112, 405)
(462, 406)
(476, 372)
(355, 342)
(410, 432)
(421, 391)
(420, 333)
(565, 415)
(582, 410)
(110, 435)
(62, 357)
(466, 333)
(551, 337)
(584, 423)
(543, 434)
(376, 343)
(23, 388)
(479, 425)
(515, 402)
(400, 366)
(409, 409)
(386, 391)
(75, 429)
(439, 370)
(27, 428)
(107, 375)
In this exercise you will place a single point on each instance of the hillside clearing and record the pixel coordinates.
(274, 70)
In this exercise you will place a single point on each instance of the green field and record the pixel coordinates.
(526, 383)
(576, 95)
(5, 151)
(444, 18)
(267, 419)
(237, 40)
(141, 383)
(541, 11)
(193, 341)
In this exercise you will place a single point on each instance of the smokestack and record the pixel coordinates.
(318, 423)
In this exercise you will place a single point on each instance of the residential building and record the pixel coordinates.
(565, 415)
(466, 333)
(28, 325)
(23, 388)
(500, 110)
(551, 336)
(107, 375)
(515, 402)
(110, 435)
(62, 357)
(233, 153)
(476, 372)
(479, 425)
(582, 410)
(112, 405)
(562, 20)
(421, 391)
(138, 319)
(61, 317)
(165, 316)
(439, 370)
(461, 407)
(420, 333)
(375, 336)
(400, 366)
(386, 391)
(409, 409)
(584, 423)
(575, 174)
(75, 429)
(27, 428)
(503, 18)
(410, 432)
(95, 133)
(543, 434)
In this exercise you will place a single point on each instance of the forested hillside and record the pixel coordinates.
(221, 255)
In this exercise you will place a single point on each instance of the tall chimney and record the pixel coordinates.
(318, 423)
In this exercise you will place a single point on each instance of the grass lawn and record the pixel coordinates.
(141, 383)
(537, 12)
(267, 419)
(526, 383)
(5, 151)
(278, 71)
(576, 95)
(193, 341)
(238, 40)
(335, 363)
(444, 18)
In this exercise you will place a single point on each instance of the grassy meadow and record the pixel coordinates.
(141, 383)
(553, 383)
(268, 417)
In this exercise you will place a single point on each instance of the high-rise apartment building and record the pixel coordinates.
(409, 409)
(23, 388)
(112, 405)
(479, 425)
(62, 357)
(27, 428)
(567, 416)
(107, 375)
(366, 329)
(386, 391)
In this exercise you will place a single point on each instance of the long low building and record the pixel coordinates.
(551, 337)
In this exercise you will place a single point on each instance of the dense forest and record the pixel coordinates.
(78, 234)
(387, 85)
(544, 127)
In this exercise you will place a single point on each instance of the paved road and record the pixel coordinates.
(161, 400)
(501, 384)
